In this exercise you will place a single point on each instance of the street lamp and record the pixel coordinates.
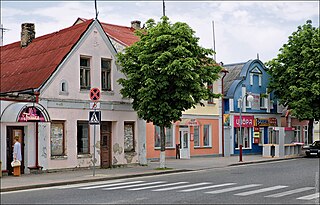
(249, 98)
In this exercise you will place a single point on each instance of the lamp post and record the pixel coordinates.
(249, 97)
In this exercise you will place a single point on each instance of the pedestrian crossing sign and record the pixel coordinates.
(94, 117)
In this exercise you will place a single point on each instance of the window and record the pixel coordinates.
(106, 74)
(206, 136)
(83, 137)
(169, 137)
(63, 90)
(57, 138)
(84, 73)
(261, 136)
(263, 103)
(245, 135)
(128, 136)
(297, 133)
(210, 87)
(196, 136)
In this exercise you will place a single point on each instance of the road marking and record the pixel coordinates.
(184, 186)
(290, 192)
(207, 187)
(309, 197)
(134, 185)
(261, 190)
(109, 185)
(232, 189)
(89, 184)
(157, 186)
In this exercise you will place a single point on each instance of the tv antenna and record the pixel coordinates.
(96, 9)
(2, 30)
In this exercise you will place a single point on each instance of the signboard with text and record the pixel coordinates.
(247, 121)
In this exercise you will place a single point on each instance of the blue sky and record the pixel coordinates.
(242, 28)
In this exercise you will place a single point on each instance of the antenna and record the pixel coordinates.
(214, 41)
(1, 34)
(163, 8)
(258, 56)
(95, 6)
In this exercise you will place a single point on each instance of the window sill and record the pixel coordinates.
(204, 147)
(243, 148)
(84, 156)
(64, 157)
(107, 92)
(63, 93)
(263, 108)
(158, 148)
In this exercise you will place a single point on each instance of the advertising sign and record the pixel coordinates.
(31, 114)
(247, 121)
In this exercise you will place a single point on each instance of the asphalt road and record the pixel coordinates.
(280, 182)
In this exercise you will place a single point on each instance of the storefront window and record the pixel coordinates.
(83, 137)
(206, 136)
(245, 136)
(169, 137)
(57, 139)
(297, 133)
(196, 136)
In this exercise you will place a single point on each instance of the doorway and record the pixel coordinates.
(105, 144)
(13, 131)
(184, 142)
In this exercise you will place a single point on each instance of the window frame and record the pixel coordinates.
(166, 131)
(194, 136)
(106, 74)
(209, 135)
(81, 122)
(63, 138)
(132, 124)
(236, 142)
(85, 74)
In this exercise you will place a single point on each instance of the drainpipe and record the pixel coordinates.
(222, 109)
(37, 137)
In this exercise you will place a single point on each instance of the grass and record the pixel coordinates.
(166, 168)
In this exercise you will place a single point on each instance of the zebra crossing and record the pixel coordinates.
(242, 190)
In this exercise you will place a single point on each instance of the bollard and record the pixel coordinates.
(16, 171)
(273, 151)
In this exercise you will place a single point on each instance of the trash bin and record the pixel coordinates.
(16, 171)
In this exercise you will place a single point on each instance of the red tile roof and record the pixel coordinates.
(29, 67)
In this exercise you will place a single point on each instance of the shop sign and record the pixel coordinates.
(226, 119)
(247, 121)
(273, 121)
(262, 122)
(31, 114)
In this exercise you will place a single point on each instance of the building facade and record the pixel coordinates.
(45, 100)
(259, 117)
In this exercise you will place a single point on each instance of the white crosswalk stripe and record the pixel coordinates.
(294, 191)
(207, 187)
(88, 184)
(134, 185)
(232, 189)
(310, 197)
(157, 186)
(110, 185)
(179, 187)
(261, 190)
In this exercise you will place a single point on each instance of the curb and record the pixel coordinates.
(34, 186)
(263, 161)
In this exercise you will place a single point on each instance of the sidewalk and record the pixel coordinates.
(28, 181)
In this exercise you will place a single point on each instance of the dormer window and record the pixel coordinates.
(256, 73)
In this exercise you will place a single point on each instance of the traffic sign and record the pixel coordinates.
(94, 117)
(94, 94)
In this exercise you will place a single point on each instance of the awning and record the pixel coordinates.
(188, 122)
(24, 112)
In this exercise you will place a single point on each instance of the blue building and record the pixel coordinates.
(258, 116)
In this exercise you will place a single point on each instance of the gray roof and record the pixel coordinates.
(233, 74)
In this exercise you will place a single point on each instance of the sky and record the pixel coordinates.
(242, 30)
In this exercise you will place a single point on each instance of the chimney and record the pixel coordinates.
(27, 34)
(136, 24)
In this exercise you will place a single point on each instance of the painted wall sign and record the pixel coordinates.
(31, 114)
(256, 101)
(247, 121)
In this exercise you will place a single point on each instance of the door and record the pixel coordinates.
(184, 142)
(105, 144)
(13, 131)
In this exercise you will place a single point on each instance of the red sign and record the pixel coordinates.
(31, 114)
(94, 94)
(247, 121)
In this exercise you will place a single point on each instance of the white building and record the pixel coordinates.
(45, 100)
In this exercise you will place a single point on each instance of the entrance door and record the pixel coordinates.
(184, 142)
(13, 131)
(105, 144)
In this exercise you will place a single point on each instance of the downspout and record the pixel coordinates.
(222, 110)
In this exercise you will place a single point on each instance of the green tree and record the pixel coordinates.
(166, 73)
(295, 74)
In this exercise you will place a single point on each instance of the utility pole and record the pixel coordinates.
(163, 8)
(214, 42)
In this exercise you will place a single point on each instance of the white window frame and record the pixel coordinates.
(172, 128)
(297, 133)
(210, 135)
(194, 136)
(250, 137)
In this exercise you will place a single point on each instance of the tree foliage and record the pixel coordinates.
(166, 71)
(295, 73)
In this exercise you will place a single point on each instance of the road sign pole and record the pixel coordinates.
(94, 150)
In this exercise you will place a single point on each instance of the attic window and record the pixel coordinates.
(63, 90)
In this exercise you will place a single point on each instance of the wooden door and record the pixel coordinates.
(105, 144)
(13, 131)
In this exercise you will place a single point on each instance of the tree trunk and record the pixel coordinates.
(310, 129)
(163, 147)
